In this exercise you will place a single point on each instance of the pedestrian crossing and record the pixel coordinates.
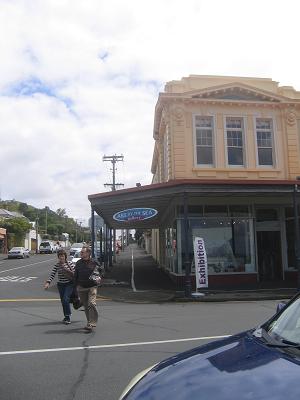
(14, 278)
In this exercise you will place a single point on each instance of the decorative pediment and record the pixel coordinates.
(236, 92)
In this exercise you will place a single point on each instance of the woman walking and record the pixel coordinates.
(65, 285)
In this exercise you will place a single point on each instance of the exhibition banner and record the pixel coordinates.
(200, 263)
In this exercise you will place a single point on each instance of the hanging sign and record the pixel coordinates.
(200, 263)
(135, 214)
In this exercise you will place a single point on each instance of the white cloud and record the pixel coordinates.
(80, 79)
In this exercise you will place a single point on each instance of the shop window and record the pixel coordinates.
(213, 210)
(229, 244)
(266, 214)
(238, 210)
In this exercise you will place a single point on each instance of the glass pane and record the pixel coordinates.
(204, 137)
(215, 210)
(237, 210)
(265, 156)
(235, 156)
(264, 139)
(263, 124)
(204, 155)
(233, 123)
(266, 214)
(205, 122)
(227, 244)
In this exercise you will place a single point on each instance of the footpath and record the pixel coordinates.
(135, 277)
(147, 283)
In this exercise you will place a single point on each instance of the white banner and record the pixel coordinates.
(200, 263)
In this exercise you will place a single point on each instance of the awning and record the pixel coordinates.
(164, 196)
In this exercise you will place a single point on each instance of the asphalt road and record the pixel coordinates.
(40, 358)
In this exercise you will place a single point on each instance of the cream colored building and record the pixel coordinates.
(226, 164)
(214, 127)
(235, 131)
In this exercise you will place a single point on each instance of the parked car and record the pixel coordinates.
(75, 247)
(76, 257)
(262, 363)
(47, 247)
(18, 252)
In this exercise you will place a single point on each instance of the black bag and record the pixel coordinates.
(74, 299)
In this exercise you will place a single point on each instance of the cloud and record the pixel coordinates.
(81, 79)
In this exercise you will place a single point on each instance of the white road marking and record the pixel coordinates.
(25, 266)
(106, 346)
(16, 278)
(132, 272)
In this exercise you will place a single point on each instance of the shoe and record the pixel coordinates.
(67, 320)
(88, 328)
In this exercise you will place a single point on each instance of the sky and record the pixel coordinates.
(79, 80)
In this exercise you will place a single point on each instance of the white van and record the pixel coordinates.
(46, 247)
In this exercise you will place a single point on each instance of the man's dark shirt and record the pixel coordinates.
(83, 271)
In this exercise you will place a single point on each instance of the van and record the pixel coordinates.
(46, 247)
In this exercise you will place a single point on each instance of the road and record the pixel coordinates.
(40, 358)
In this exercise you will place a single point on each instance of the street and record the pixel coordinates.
(43, 359)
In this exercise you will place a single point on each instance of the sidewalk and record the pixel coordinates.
(151, 285)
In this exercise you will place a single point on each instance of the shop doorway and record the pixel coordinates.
(269, 256)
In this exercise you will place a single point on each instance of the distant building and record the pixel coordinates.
(3, 241)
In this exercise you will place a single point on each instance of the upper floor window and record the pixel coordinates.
(204, 140)
(264, 141)
(234, 138)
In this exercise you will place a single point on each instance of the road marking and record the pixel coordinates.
(33, 300)
(107, 346)
(132, 272)
(16, 278)
(25, 266)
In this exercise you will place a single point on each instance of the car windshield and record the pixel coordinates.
(286, 326)
(76, 245)
(46, 244)
(16, 249)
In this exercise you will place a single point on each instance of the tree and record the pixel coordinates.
(61, 212)
(16, 230)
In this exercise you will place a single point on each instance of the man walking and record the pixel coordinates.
(87, 278)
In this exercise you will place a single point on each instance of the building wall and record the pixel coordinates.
(174, 154)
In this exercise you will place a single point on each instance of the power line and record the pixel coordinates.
(113, 159)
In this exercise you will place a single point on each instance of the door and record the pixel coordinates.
(269, 256)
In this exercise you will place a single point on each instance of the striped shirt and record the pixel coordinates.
(61, 277)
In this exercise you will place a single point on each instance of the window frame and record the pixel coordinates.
(243, 128)
(213, 147)
(273, 165)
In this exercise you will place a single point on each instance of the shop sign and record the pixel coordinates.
(135, 214)
(200, 263)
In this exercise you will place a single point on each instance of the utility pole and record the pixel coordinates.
(46, 219)
(113, 159)
(37, 234)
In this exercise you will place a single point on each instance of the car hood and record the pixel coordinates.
(238, 368)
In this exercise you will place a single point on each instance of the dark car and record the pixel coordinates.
(259, 364)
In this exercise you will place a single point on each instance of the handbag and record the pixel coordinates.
(74, 299)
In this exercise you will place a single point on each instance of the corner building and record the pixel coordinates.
(226, 164)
